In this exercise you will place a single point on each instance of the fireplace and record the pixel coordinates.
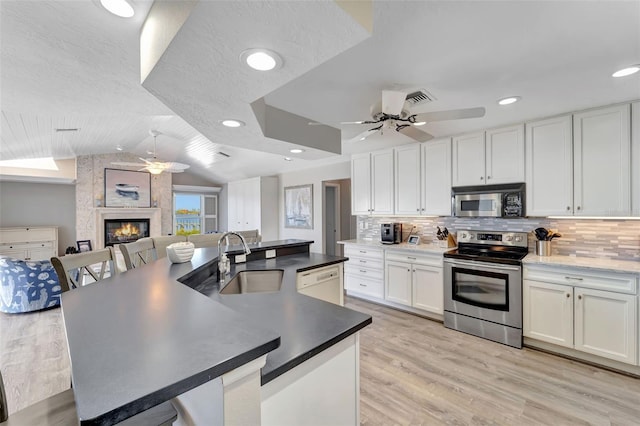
(121, 231)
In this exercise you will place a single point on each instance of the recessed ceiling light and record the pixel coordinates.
(288, 159)
(120, 8)
(296, 151)
(232, 123)
(508, 101)
(420, 123)
(119, 148)
(626, 71)
(362, 138)
(261, 59)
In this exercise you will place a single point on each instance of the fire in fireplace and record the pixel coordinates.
(121, 231)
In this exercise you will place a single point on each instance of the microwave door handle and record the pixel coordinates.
(484, 265)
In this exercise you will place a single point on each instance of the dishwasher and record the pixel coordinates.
(324, 283)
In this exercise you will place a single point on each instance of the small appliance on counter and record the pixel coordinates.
(391, 233)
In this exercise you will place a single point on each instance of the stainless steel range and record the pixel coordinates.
(483, 285)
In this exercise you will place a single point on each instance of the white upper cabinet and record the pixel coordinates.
(602, 164)
(505, 155)
(635, 158)
(407, 182)
(382, 182)
(361, 184)
(491, 158)
(372, 183)
(468, 160)
(549, 167)
(436, 177)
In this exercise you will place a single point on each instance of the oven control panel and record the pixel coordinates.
(496, 238)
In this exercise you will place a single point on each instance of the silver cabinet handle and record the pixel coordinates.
(363, 271)
(363, 261)
(408, 270)
(568, 295)
(579, 297)
(363, 251)
(488, 177)
(417, 210)
(481, 177)
(578, 207)
(574, 278)
(363, 285)
(412, 258)
(568, 208)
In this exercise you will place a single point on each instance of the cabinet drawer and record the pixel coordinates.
(363, 285)
(358, 270)
(364, 252)
(581, 277)
(427, 260)
(18, 235)
(358, 262)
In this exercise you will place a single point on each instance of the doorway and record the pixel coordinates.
(331, 213)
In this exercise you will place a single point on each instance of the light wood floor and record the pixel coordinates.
(413, 371)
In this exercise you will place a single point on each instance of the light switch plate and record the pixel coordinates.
(270, 254)
(241, 258)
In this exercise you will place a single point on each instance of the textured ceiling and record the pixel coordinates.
(72, 64)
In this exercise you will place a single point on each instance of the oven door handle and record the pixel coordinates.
(483, 265)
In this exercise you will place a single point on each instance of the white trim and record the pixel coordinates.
(195, 188)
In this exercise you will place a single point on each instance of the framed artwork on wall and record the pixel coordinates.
(298, 206)
(126, 188)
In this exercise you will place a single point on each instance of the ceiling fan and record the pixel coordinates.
(152, 165)
(390, 114)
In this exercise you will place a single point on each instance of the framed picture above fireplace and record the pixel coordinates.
(126, 188)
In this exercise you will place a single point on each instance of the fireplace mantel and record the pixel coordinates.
(153, 214)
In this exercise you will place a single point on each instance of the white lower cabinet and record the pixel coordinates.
(414, 280)
(595, 312)
(363, 273)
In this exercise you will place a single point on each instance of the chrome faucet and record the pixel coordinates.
(224, 266)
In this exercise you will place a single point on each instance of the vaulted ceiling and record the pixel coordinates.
(71, 64)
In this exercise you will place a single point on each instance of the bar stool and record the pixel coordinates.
(73, 268)
(138, 253)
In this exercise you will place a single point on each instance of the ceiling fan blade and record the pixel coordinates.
(119, 163)
(362, 136)
(454, 114)
(393, 101)
(416, 134)
(176, 166)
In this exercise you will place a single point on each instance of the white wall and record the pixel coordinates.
(314, 176)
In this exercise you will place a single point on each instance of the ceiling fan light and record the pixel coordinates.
(288, 159)
(155, 169)
(509, 100)
(626, 71)
(296, 151)
(261, 59)
(120, 8)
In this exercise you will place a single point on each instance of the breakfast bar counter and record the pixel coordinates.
(156, 332)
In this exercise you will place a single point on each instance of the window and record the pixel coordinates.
(194, 213)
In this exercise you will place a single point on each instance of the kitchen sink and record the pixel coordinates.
(254, 282)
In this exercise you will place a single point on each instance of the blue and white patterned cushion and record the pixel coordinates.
(27, 285)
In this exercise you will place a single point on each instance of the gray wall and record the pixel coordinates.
(187, 178)
(44, 204)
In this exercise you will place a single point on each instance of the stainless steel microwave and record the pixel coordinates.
(506, 200)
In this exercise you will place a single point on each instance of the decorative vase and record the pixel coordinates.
(180, 252)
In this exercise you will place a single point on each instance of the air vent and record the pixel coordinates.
(223, 154)
(420, 97)
(67, 130)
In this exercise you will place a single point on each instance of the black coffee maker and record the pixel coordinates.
(391, 233)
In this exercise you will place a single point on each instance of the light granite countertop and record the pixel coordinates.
(584, 262)
(421, 248)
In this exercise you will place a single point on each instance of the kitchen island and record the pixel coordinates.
(163, 331)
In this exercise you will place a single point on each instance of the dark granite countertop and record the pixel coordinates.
(141, 338)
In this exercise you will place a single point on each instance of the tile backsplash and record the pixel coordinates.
(616, 239)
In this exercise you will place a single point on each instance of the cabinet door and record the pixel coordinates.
(436, 177)
(407, 181)
(469, 160)
(606, 324)
(548, 312)
(505, 155)
(361, 184)
(42, 251)
(602, 151)
(234, 207)
(382, 182)
(251, 203)
(635, 159)
(549, 157)
(398, 282)
(428, 289)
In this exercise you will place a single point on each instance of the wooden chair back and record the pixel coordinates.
(204, 240)
(73, 268)
(138, 253)
(161, 243)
